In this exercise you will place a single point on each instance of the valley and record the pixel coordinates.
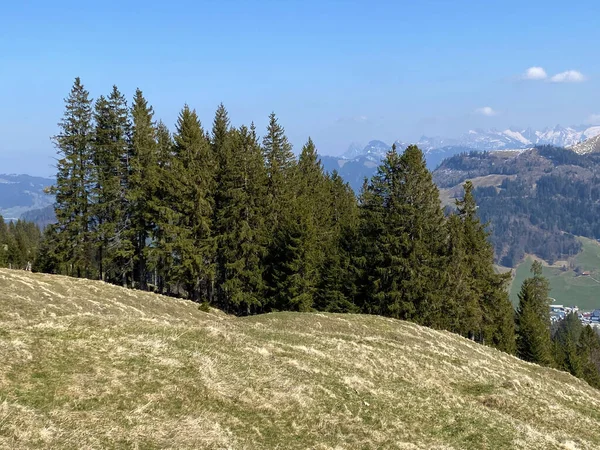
(574, 282)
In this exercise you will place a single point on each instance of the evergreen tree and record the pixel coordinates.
(279, 203)
(193, 182)
(479, 294)
(3, 243)
(109, 149)
(300, 237)
(164, 214)
(589, 353)
(336, 287)
(566, 342)
(408, 270)
(280, 163)
(74, 183)
(367, 254)
(239, 222)
(533, 319)
(142, 185)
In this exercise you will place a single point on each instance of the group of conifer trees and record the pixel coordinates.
(19, 242)
(223, 217)
(568, 345)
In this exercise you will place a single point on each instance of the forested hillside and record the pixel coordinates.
(536, 201)
(236, 222)
(223, 217)
(19, 244)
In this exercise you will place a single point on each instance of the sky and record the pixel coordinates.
(337, 71)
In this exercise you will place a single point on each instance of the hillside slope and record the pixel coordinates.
(536, 201)
(89, 365)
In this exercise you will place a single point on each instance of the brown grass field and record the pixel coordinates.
(86, 365)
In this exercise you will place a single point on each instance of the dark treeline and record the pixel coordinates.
(224, 218)
(568, 345)
(19, 243)
(221, 216)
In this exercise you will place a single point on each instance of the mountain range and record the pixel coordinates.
(359, 162)
(20, 194)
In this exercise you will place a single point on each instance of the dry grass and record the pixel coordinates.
(87, 365)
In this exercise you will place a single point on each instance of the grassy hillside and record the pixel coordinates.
(88, 365)
(568, 288)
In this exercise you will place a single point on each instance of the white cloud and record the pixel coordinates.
(355, 119)
(569, 76)
(535, 73)
(594, 119)
(486, 111)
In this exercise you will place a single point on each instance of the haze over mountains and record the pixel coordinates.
(22, 193)
(359, 162)
(488, 140)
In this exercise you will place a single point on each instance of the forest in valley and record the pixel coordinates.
(231, 220)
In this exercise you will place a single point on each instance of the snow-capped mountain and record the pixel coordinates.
(591, 145)
(374, 151)
(484, 140)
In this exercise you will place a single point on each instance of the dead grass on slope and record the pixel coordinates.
(88, 365)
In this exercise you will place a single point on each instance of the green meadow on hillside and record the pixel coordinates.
(88, 365)
(568, 288)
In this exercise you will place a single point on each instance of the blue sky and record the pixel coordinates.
(339, 71)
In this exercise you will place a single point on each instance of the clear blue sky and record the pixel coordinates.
(338, 71)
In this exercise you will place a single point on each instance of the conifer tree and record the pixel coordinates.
(279, 198)
(300, 237)
(280, 163)
(239, 222)
(533, 319)
(367, 255)
(566, 343)
(109, 146)
(589, 353)
(74, 183)
(3, 243)
(142, 185)
(193, 183)
(336, 286)
(163, 211)
(406, 279)
(479, 294)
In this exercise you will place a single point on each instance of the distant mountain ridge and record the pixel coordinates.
(487, 140)
(357, 163)
(20, 194)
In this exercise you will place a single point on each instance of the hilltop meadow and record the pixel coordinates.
(91, 365)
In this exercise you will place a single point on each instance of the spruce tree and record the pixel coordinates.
(280, 163)
(111, 136)
(142, 185)
(366, 255)
(336, 287)
(193, 173)
(589, 354)
(162, 209)
(279, 198)
(300, 237)
(479, 294)
(74, 183)
(239, 223)
(408, 260)
(533, 319)
(3, 243)
(566, 345)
